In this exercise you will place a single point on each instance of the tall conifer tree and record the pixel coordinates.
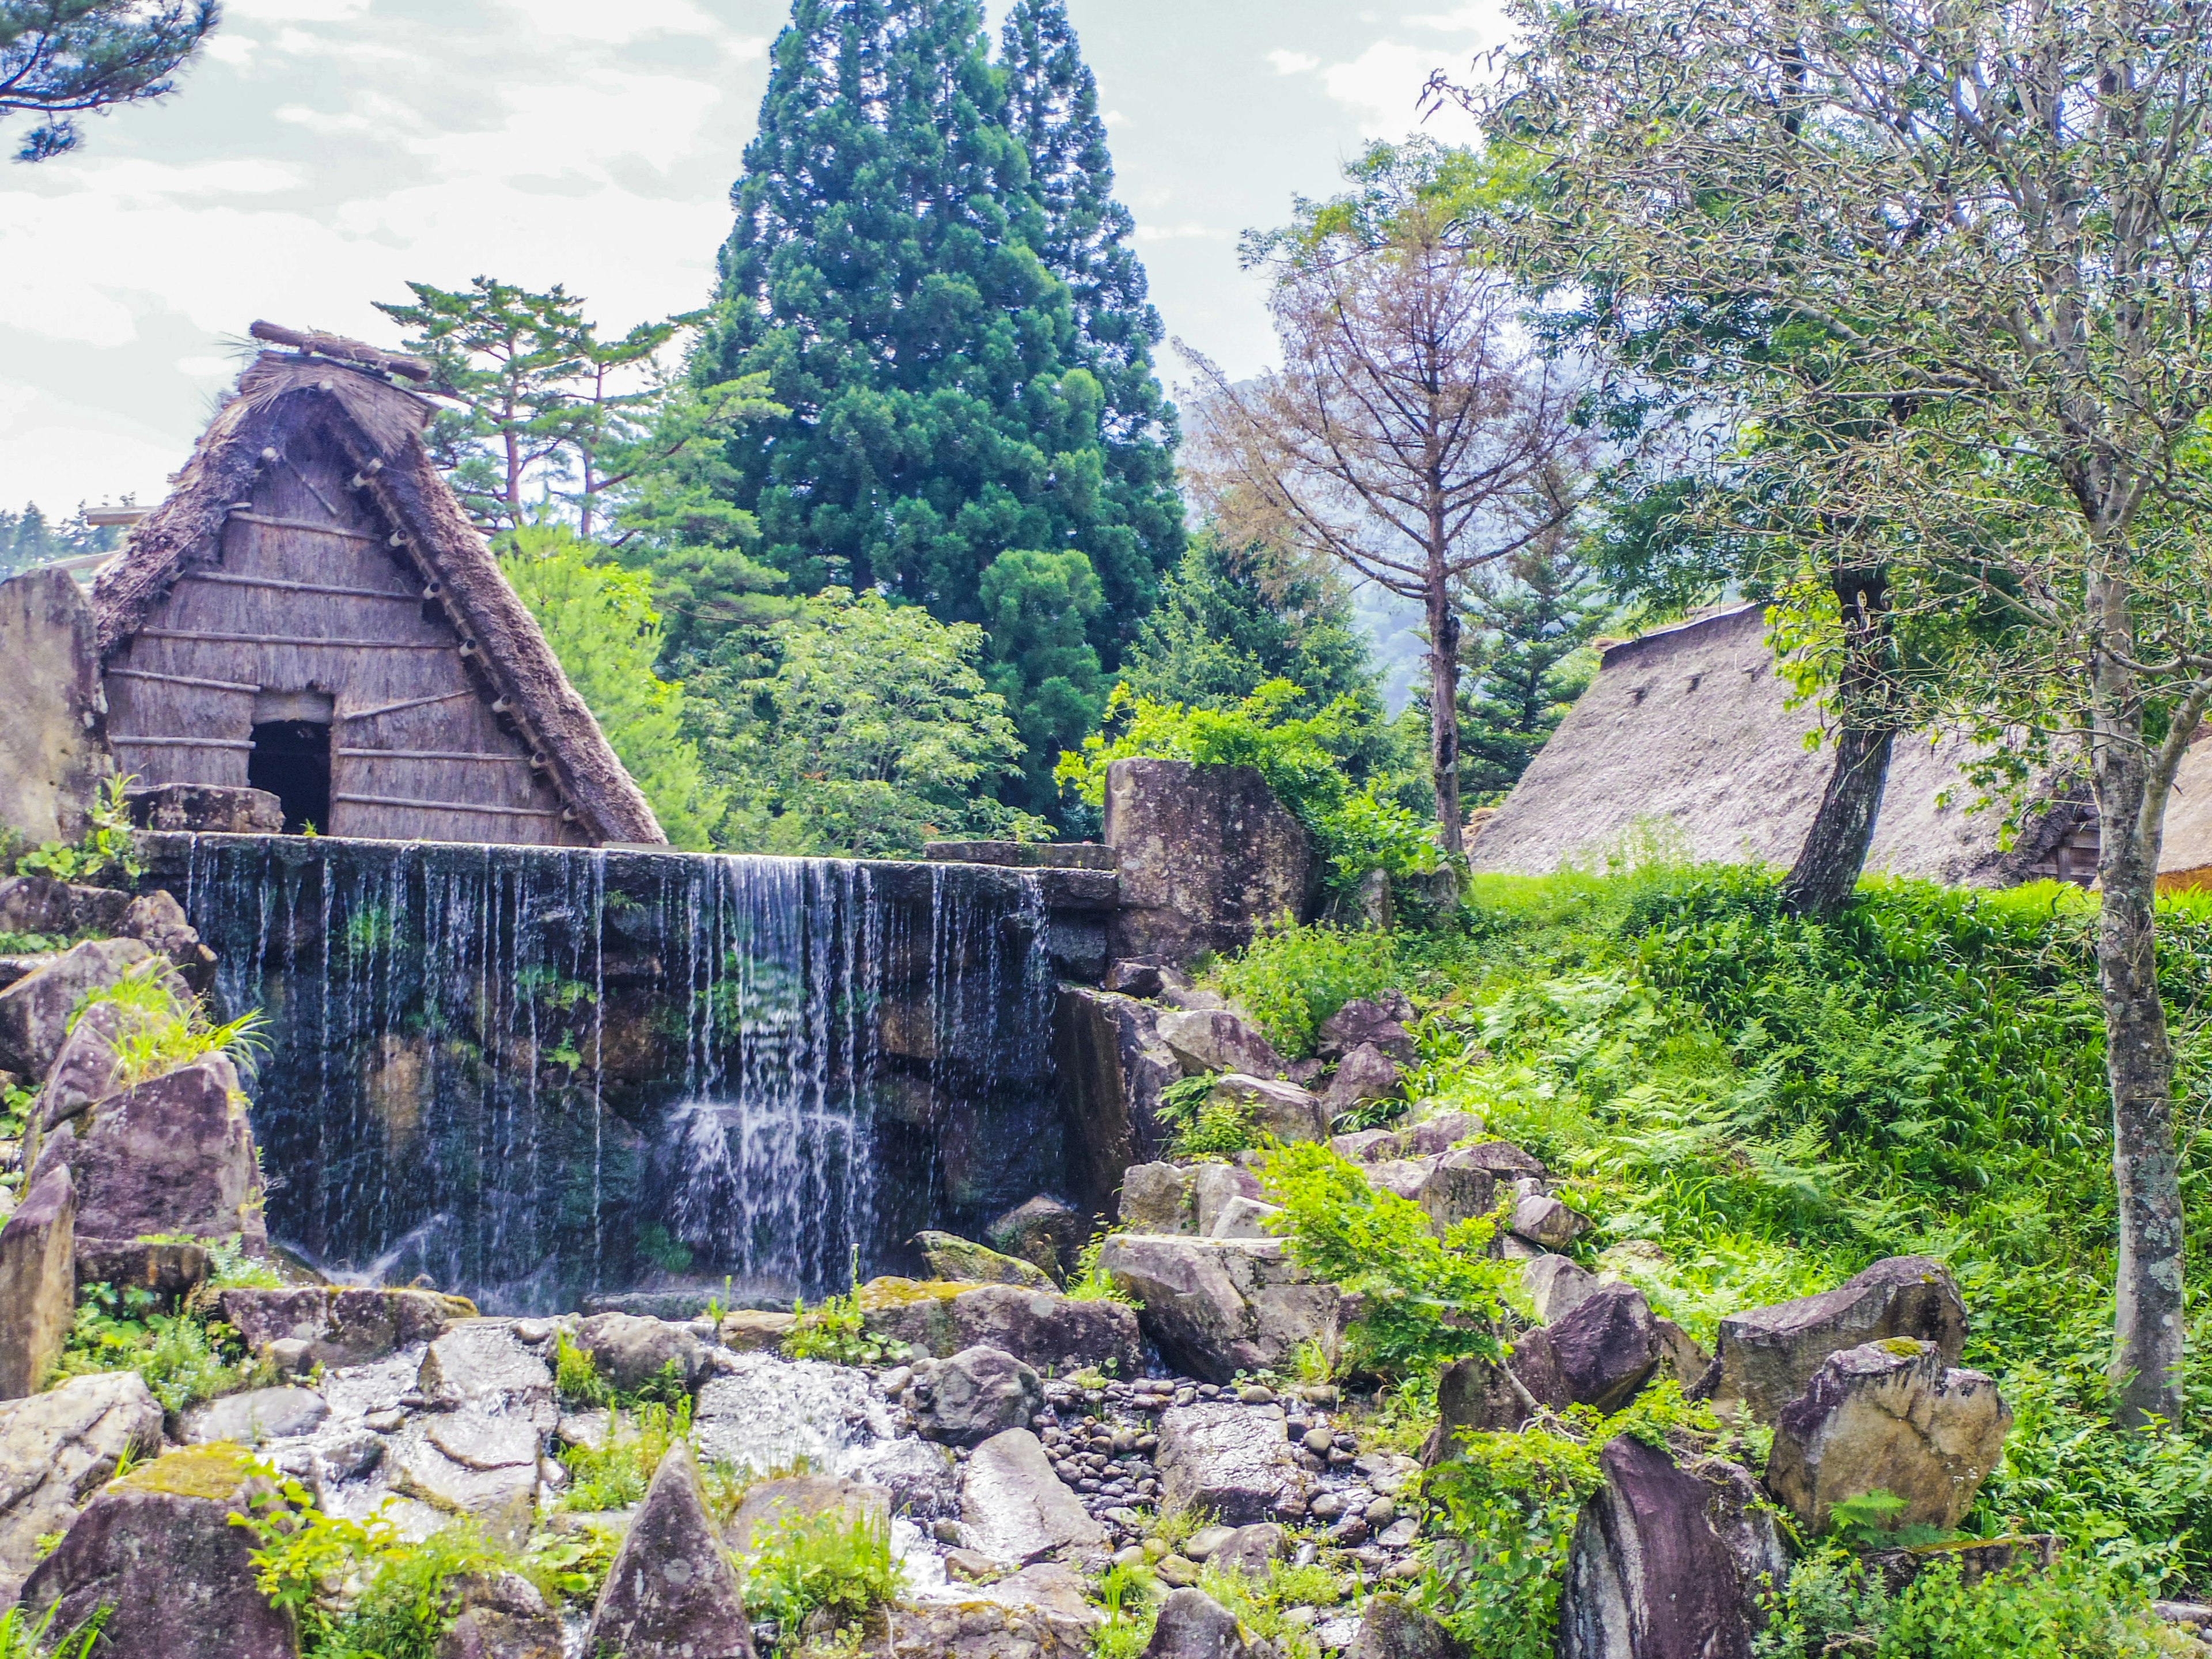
(890, 270)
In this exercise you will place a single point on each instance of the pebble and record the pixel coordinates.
(387, 1422)
(533, 1333)
(1133, 1556)
(1254, 1394)
(1318, 1441)
(894, 1382)
(1175, 1571)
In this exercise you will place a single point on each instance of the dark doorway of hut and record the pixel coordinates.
(291, 759)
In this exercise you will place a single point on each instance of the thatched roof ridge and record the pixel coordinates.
(1685, 732)
(378, 428)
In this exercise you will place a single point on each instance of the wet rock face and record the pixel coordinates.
(1766, 1356)
(469, 1463)
(341, 1327)
(979, 1391)
(158, 1551)
(34, 1011)
(481, 1365)
(1667, 1561)
(1207, 853)
(1888, 1416)
(1013, 1508)
(55, 1449)
(258, 1414)
(1231, 1460)
(1217, 1306)
(1111, 1068)
(1042, 1231)
(672, 1593)
(37, 1283)
(173, 1155)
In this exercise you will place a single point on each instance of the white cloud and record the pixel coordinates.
(1114, 117)
(1293, 63)
(1176, 233)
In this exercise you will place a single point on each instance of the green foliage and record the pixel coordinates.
(29, 538)
(1128, 1595)
(23, 1637)
(1201, 1127)
(1426, 1300)
(599, 620)
(892, 272)
(107, 855)
(1292, 978)
(1089, 1282)
(1035, 606)
(59, 58)
(837, 1330)
(1262, 1603)
(576, 1378)
(183, 1357)
(355, 1589)
(160, 1031)
(1306, 759)
(833, 1563)
(614, 1474)
(2075, 1610)
(1527, 658)
(873, 730)
(1502, 1517)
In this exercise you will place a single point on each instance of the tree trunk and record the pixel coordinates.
(1827, 872)
(2138, 1059)
(1443, 722)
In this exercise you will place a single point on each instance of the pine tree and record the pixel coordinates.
(885, 270)
(1528, 644)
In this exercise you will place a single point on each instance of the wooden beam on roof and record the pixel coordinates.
(337, 345)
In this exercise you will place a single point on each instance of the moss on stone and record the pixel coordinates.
(1903, 1346)
(879, 1295)
(215, 1472)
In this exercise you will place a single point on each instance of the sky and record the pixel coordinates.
(325, 152)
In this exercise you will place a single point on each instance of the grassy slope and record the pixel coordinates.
(1754, 1108)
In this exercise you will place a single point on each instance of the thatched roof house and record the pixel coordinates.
(311, 612)
(1684, 738)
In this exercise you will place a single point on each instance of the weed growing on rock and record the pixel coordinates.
(835, 1329)
(614, 1474)
(1129, 1595)
(1293, 979)
(835, 1565)
(1091, 1283)
(107, 855)
(161, 1031)
(183, 1357)
(23, 1637)
(1263, 1603)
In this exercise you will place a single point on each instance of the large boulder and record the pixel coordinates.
(1667, 1562)
(1608, 1346)
(1764, 1357)
(1390, 1629)
(173, 1155)
(172, 1269)
(206, 809)
(53, 748)
(501, 1616)
(1486, 1397)
(481, 1365)
(1194, 1625)
(672, 1593)
(1156, 1198)
(1218, 1306)
(37, 1283)
(631, 1350)
(57, 1448)
(1042, 1231)
(341, 1325)
(1450, 1186)
(1216, 1040)
(34, 1011)
(256, 1415)
(1366, 1073)
(964, 1399)
(1280, 1111)
(1361, 1024)
(1208, 855)
(1231, 1459)
(1544, 1221)
(1556, 1287)
(157, 1552)
(1041, 1328)
(1214, 1188)
(1014, 1508)
(1111, 1069)
(1440, 1133)
(469, 1463)
(85, 1069)
(40, 904)
(958, 1260)
(1888, 1416)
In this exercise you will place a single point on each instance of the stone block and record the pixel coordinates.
(1218, 1306)
(1014, 1508)
(1231, 1459)
(1282, 1111)
(1208, 855)
(37, 1283)
(53, 749)
(57, 1449)
(1215, 1040)
(341, 1325)
(34, 1011)
(1766, 1356)
(173, 1155)
(206, 809)
(960, 1261)
(1156, 1198)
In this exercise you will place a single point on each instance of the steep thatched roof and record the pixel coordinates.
(378, 427)
(1685, 734)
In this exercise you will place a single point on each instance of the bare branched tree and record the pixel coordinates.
(1413, 435)
(1985, 227)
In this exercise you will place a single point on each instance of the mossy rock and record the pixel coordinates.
(882, 1295)
(951, 1257)
(217, 1472)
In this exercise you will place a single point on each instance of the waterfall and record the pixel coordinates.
(535, 1074)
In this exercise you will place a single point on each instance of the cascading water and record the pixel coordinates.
(536, 1074)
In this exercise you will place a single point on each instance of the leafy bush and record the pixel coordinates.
(1262, 1603)
(1424, 1300)
(1201, 1127)
(833, 1562)
(615, 1474)
(2075, 1610)
(107, 856)
(1126, 1594)
(1308, 761)
(1089, 1282)
(1293, 978)
(183, 1357)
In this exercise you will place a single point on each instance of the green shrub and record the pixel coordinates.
(183, 1357)
(1424, 1300)
(161, 1031)
(1293, 978)
(615, 1474)
(835, 1563)
(1128, 1595)
(1262, 1603)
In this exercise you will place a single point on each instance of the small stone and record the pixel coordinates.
(1177, 1570)
(389, 1421)
(1254, 1395)
(1318, 1441)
